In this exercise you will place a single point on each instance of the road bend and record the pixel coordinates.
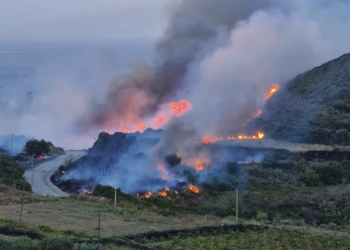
(42, 175)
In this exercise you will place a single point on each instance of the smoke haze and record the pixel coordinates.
(221, 56)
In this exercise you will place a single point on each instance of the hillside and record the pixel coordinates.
(313, 107)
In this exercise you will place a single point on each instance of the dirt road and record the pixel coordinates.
(41, 175)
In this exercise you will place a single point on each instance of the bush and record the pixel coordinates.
(85, 246)
(56, 243)
(12, 173)
(310, 178)
(330, 175)
(35, 147)
(19, 243)
(261, 216)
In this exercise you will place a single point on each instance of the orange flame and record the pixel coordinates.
(163, 193)
(200, 165)
(272, 91)
(159, 121)
(257, 114)
(194, 189)
(87, 192)
(142, 126)
(176, 192)
(148, 195)
(180, 107)
(258, 136)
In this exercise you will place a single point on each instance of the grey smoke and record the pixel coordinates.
(222, 56)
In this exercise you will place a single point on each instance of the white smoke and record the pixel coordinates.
(228, 84)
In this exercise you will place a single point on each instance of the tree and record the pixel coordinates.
(35, 147)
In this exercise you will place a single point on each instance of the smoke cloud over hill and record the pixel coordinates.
(220, 56)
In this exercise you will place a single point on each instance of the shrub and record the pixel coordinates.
(19, 243)
(310, 178)
(330, 175)
(85, 246)
(261, 216)
(35, 147)
(56, 243)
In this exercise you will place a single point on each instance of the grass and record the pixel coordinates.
(80, 214)
(262, 239)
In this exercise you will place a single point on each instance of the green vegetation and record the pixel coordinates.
(50, 243)
(37, 148)
(12, 174)
(254, 239)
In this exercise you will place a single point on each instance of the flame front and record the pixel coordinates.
(193, 189)
(258, 136)
(272, 91)
(180, 107)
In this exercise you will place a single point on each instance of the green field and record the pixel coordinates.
(263, 240)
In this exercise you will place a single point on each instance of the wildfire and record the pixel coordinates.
(180, 107)
(159, 121)
(258, 113)
(41, 157)
(176, 192)
(258, 136)
(199, 165)
(148, 195)
(87, 192)
(142, 126)
(193, 189)
(208, 140)
(63, 172)
(272, 91)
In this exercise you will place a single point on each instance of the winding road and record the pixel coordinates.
(42, 175)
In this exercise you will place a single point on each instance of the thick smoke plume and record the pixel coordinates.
(223, 56)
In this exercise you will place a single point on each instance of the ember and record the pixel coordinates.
(194, 189)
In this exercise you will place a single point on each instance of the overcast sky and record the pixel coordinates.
(81, 20)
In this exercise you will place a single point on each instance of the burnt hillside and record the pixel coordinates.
(313, 107)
